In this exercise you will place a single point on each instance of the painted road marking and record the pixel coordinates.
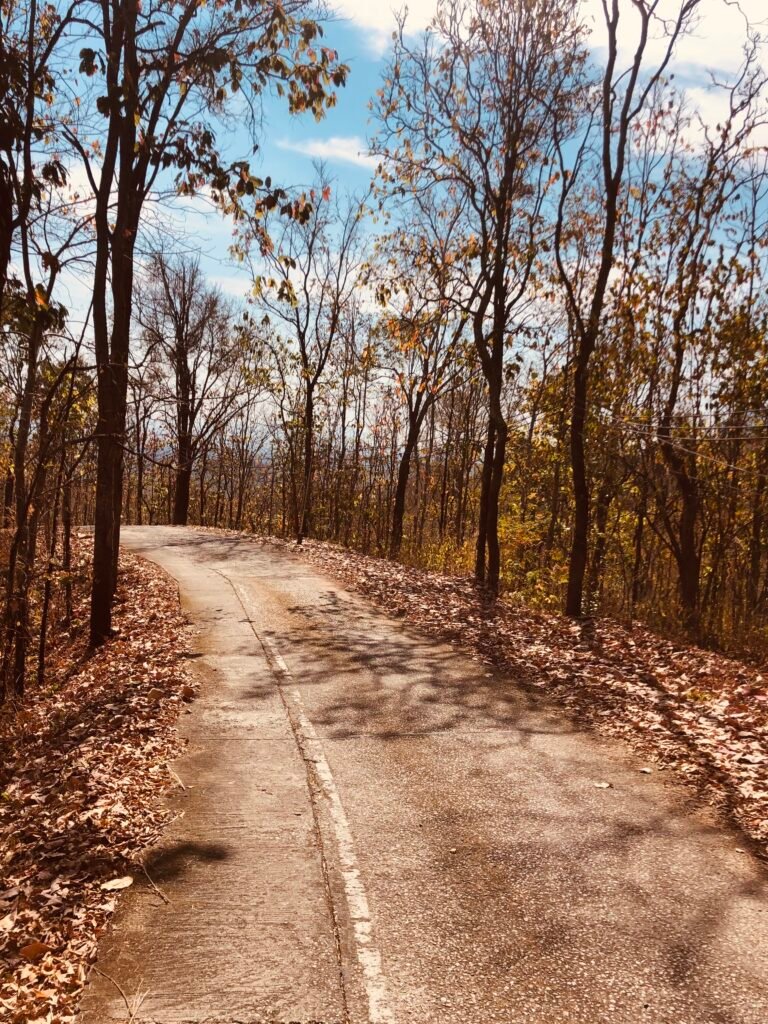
(368, 956)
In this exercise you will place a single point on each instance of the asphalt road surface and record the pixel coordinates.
(377, 829)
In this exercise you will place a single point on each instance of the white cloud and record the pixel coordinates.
(716, 42)
(238, 283)
(348, 149)
(382, 16)
(379, 19)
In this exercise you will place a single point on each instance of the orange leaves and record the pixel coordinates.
(34, 951)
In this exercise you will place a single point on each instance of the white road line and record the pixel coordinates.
(369, 958)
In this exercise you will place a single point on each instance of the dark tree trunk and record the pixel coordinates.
(202, 492)
(6, 224)
(597, 563)
(482, 519)
(112, 392)
(182, 482)
(66, 553)
(577, 564)
(756, 546)
(305, 513)
(494, 493)
(114, 259)
(48, 586)
(638, 572)
(21, 557)
(398, 509)
(688, 559)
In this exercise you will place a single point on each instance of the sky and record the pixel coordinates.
(361, 32)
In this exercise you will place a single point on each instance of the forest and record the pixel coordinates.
(534, 351)
(384, 500)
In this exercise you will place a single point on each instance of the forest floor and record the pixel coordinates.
(82, 765)
(693, 711)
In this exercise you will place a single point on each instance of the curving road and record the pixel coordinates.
(376, 829)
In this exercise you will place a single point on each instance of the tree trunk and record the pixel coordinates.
(19, 561)
(638, 573)
(398, 509)
(66, 554)
(756, 546)
(482, 519)
(6, 225)
(597, 562)
(139, 477)
(494, 493)
(109, 468)
(688, 560)
(305, 515)
(182, 482)
(578, 558)
(114, 260)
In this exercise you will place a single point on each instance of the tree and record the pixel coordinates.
(307, 278)
(423, 336)
(190, 331)
(30, 36)
(623, 96)
(467, 115)
(161, 77)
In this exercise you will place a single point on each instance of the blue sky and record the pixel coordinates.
(361, 32)
(290, 146)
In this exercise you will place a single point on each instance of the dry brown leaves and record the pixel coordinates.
(82, 765)
(701, 713)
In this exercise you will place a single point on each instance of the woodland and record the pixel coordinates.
(534, 352)
(514, 392)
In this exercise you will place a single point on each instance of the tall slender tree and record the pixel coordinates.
(466, 114)
(153, 73)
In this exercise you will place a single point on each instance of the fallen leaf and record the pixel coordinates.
(117, 883)
(34, 951)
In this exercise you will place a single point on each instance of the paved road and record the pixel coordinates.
(377, 830)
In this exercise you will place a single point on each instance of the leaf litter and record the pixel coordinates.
(82, 764)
